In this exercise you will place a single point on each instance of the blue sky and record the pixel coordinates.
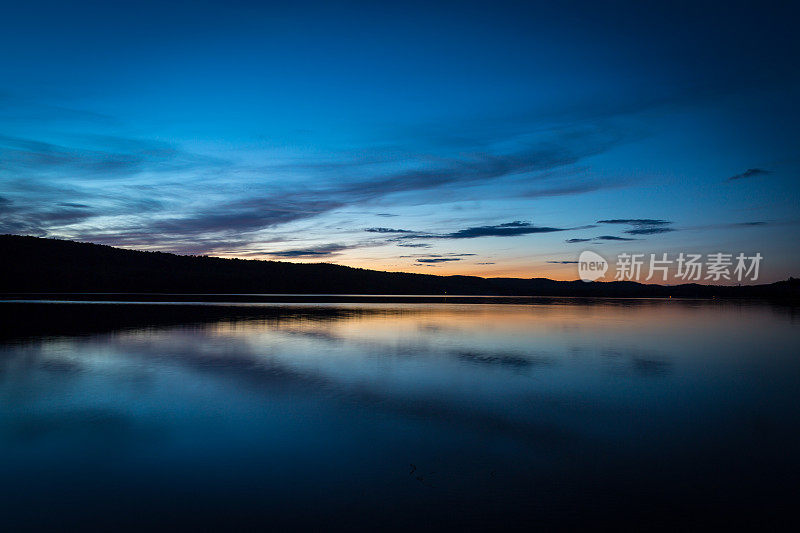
(474, 138)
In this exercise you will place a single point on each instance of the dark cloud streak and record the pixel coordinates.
(510, 229)
(648, 231)
(437, 259)
(612, 238)
(641, 226)
(636, 221)
(750, 173)
(388, 230)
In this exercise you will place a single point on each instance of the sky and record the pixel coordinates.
(479, 138)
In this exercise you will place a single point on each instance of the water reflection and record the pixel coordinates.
(414, 415)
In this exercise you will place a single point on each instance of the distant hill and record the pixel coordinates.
(32, 264)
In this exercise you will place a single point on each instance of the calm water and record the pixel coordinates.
(555, 413)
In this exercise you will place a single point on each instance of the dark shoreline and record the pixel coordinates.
(90, 271)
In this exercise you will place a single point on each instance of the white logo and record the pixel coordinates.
(591, 266)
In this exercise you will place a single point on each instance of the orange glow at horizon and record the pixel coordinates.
(506, 269)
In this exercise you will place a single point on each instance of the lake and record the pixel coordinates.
(383, 414)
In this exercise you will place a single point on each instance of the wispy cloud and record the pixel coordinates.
(636, 221)
(195, 206)
(37, 220)
(648, 230)
(314, 251)
(414, 245)
(641, 226)
(15, 108)
(246, 215)
(509, 229)
(338, 189)
(612, 238)
(437, 259)
(568, 189)
(747, 224)
(100, 157)
(388, 230)
(601, 238)
(750, 173)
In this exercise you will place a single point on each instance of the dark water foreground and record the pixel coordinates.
(551, 414)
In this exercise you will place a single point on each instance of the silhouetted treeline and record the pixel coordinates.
(31, 264)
